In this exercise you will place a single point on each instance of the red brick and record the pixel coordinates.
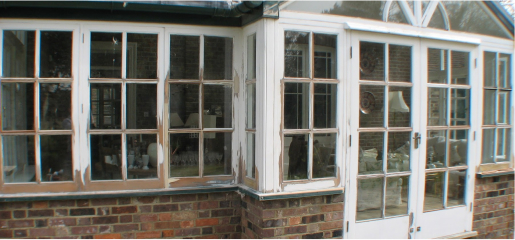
(184, 215)
(225, 229)
(145, 209)
(6, 233)
(294, 221)
(105, 220)
(5, 215)
(19, 214)
(166, 225)
(332, 208)
(184, 198)
(186, 206)
(62, 222)
(125, 218)
(102, 211)
(146, 226)
(331, 225)
(168, 233)
(208, 205)
(41, 213)
(166, 208)
(103, 201)
(187, 232)
(186, 224)
(296, 229)
(19, 233)
(121, 210)
(84, 230)
(108, 236)
(82, 211)
(84, 221)
(146, 218)
(82, 203)
(61, 212)
(165, 217)
(62, 203)
(207, 222)
(126, 227)
(164, 199)
(3, 224)
(104, 229)
(145, 200)
(149, 235)
(21, 223)
(41, 232)
(39, 204)
(124, 201)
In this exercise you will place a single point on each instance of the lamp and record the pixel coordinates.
(192, 121)
(175, 120)
(396, 102)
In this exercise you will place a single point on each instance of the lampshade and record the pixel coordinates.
(175, 120)
(192, 120)
(396, 102)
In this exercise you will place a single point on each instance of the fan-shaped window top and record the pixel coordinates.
(360, 9)
(395, 14)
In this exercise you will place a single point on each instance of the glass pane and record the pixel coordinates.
(55, 106)
(504, 108)
(437, 107)
(371, 145)
(371, 104)
(325, 56)
(184, 154)
(251, 57)
(141, 156)
(489, 69)
(399, 106)
(217, 153)
(325, 105)
(217, 58)
(217, 106)
(488, 146)
(296, 105)
(106, 55)
(107, 99)
(370, 198)
(251, 106)
(371, 61)
(503, 145)
(17, 106)
(141, 56)
(361, 9)
(55, 54)
(296, 54)
(324, 158)
(489, 99)
(56, 158)
(106, 157)
(460, 106)
(459, 67)
(250, 164)
(18, 53)
(436, 156)
(456, 188)
(437, 20)
(505, 71)
(396, 202)
(184, 105)
(399, 60)
(399, 151)
(395, 14)
(296, 162)
(184, 57)
(458, 154)
(141, 106)
(18, 159)
(433, 197)
(437, 65)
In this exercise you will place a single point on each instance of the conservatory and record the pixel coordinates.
(354, 119)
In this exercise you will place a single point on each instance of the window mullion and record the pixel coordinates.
(124, 55)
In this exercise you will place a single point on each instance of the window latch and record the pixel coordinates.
(417, 139)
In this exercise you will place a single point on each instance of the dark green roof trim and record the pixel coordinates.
(258, 196)
(495, 174)
(501, 14)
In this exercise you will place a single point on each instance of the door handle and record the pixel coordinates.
(418, 229)
(417, 139)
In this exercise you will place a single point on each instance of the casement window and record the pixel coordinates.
(250, 121)
(497, 90)
(309, 106)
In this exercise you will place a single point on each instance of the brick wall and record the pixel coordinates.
(310, 217)
(493, 207)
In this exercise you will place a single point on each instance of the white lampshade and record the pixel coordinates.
(192, 120)
(175, 120)
(396, 102)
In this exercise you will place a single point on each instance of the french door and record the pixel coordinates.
(409, 174)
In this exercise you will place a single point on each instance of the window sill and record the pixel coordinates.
(287, 195)
(462, 235)
(495, 173)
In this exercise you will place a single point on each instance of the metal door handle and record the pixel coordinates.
(417, 139)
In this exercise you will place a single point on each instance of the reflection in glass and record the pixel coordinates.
(217, 153)
(399, 63)
(436, 149)
(437, 20)
(504, 107)
(437, 107)
(18, 159)
(361, 9)
(17, 106)
(184, 57)
(105, 105)
(459, 67)
(217, 58)
(106, 55)
(106, 157)
(141, 106)
(141, 156)
(251, 57)
(217, 106)
(433, 196)
(395, 14)
(488, 146)
(458, 149)
(18, 53)
(325, 105)
(56, 158)
(371, 104)
(251, 106)
(456, 188)
(399, 107)
(370, 198)
(184, 106)
(325, 56)
(503, 145)
(324, 145)
(398, 151)
(55, 106)
(460, 103)
(489, 99)
(55, 54)
(296, 105)
(505, 71)
(396, 202)
(141, 56)
(371, 61)
(250, 164)
(184, 155)
(296, 55)
(437, 65)
(296, 161)
(489, 71)
(371, 145)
